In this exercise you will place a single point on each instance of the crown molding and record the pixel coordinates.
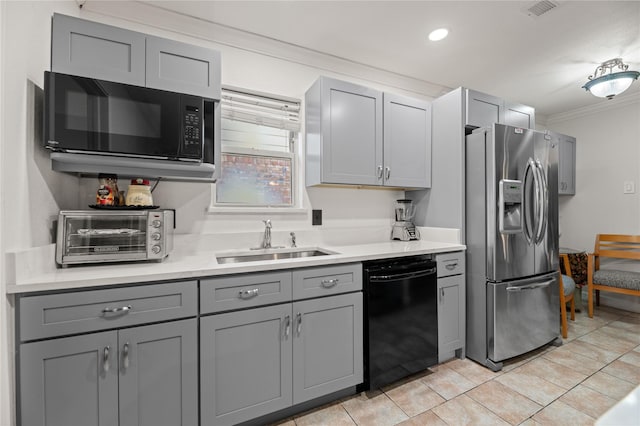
(620, 101)
(156, 16)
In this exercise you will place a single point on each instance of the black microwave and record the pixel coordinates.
(90, 116)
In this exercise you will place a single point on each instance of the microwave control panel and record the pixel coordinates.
(192, 131)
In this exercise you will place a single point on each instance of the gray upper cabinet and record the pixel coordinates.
(567, 166)
(95, 50)
(327, 345)
(181, 67)
(407, 142)
(483, 110)
(344, 133)
(356, 135)
(245, 359)
(69, 381)
(518, 115)
(90, 49)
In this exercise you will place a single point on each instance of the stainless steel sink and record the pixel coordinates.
(274, 254)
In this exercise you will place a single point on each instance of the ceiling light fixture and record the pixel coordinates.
(439, 34)
(604, 83)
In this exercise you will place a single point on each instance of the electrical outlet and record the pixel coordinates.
(629, 187)
(316, 217)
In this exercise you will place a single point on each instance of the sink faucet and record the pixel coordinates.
(293, 239)
(266, 242)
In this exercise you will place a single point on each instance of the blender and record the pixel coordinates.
(403, 229)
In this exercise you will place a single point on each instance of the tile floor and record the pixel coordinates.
(572, 384)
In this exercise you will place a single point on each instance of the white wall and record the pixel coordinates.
(607, 155)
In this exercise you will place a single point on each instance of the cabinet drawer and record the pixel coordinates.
(244, 291)
(85, 311)
(450, 263)
(323, 281)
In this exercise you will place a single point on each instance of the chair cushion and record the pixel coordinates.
(615, 278)
(568, 284)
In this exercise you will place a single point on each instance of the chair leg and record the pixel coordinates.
(573, 309)
(563, 317)
(597, 297)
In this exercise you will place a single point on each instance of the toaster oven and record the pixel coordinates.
(113, 236)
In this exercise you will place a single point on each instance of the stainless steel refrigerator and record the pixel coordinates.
(511, 229)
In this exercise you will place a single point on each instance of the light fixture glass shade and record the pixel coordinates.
(605, 85)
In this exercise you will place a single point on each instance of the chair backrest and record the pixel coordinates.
(617, 246)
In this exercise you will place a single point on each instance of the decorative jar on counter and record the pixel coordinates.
(139, 193)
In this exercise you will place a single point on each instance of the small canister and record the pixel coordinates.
(107, 194)
(139, 193)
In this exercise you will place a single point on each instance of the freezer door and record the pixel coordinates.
(508, 156)
(522, 315)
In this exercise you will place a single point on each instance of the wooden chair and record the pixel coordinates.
(567, 288)
(617, 248)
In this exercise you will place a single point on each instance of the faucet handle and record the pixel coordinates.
(267, 223)
(293, 239)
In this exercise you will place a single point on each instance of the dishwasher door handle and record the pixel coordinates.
(408, 275)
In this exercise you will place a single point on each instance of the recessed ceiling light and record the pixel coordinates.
(438, 34)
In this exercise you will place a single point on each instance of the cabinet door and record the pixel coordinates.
(407, 142)
(451, 316)
(90, 49)
(518, 115)
(159, 374)
(567, 166)
(351, 134)
(327, 345)
(483, 110)
(184, 68)
(245, 364)
(69, 381)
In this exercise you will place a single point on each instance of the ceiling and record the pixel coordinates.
(493, 46)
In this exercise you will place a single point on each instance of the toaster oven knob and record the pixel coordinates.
(156, 249)
(156, 223)
(156, 236)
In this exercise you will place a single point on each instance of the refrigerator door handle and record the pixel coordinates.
(543, 200)
(527, 228)
(530, 287)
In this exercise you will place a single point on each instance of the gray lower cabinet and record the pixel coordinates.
(139, 376)
(260, 360)
(119, 356)
(451, 305)
(567, 166)
(90, 49)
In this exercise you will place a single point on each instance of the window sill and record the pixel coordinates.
(257, 210)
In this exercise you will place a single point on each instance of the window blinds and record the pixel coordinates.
(260, 108)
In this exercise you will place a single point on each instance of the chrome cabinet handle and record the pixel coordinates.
(248, 294)
(379, 172)
(287, 326)
(329, 283)
(441, 295)
(387, 173)
(105, 359)
(118, 310)
(299, 327)
(125, 356)
(451, 266)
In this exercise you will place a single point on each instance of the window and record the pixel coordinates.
(259, 137)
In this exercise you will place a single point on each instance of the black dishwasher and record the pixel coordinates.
(400, 318)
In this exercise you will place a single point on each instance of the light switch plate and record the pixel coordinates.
(629, 187)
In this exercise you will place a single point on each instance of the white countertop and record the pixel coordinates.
(36, 270)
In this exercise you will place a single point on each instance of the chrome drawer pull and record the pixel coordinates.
(105, 359)
(248, 294)
(119, 310)
(125, 356)
(451, 266)
(329, 283)
(299, 328)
